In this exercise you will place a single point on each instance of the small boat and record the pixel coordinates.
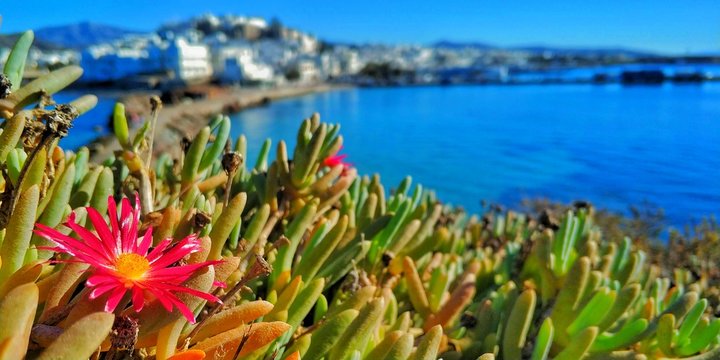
(642, 77)
(688, 77)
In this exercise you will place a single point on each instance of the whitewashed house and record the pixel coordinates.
(188, 62)
(306, 68)
(308, 44)
(104, 63)
(237, 62)
(132, 56)
(222, 51)
(277, 53)
(244, 70)
(348, 60)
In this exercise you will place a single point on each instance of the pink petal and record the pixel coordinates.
(145, 242)
(178, 251)
(183, 309)
(100, 290)
(200, 294)
(126, 219)
(158, 250)
(162, 297)
(114, 299)
(134, 224)
(91, 240)
(138, 299)
(112, 213)
(103, 231)
(182, 271)
(70, 245)
(99, 279)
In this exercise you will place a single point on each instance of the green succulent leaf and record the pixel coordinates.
(15, 64)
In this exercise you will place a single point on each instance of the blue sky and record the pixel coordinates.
(676, 26)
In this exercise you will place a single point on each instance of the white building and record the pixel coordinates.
(237, 62)
(188, 62)
(245, 70)
(136, 56)
(308, 44)
(222, 51)
(348, 60)
(277, 53)
(104, 63)
(306, 69)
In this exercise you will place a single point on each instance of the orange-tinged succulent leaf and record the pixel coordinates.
(12, 348)
(459, 299)
(17, 311)
(232, 318)
(148, 318)
(294, 356)
(81, 339)
(252, 337)
(45, 284)
(260, 336)
(416, 291)
(148, 340)
(201, 255)
(226, 268)
(282, 280)
(71, 275)
(170, 218)
(83, 307)
(188, 355)
(212, 183)
(26, 274)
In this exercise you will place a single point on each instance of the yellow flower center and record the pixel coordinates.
(132, 266)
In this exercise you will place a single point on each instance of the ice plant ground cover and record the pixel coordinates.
(316, 262)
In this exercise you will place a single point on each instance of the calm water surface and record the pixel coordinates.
(90, 125)
(612, 145)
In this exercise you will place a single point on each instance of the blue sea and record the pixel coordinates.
(612, 145)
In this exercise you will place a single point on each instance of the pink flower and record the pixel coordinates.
(121, 263)
(337, 159)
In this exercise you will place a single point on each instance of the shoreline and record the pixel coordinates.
(185, 118)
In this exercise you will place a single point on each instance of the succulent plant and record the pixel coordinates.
(309, 260)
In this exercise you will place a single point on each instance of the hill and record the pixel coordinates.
(81, 35)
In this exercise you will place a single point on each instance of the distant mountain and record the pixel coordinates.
(81, 35)
(540, 49)
(8, 41)
(447, 44)
(584, 51)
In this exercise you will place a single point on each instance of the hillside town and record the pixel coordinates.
(239, 50)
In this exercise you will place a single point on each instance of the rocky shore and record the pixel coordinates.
(187, 116)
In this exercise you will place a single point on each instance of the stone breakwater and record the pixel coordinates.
(185, 118)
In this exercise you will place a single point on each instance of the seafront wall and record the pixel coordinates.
(186, 118)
